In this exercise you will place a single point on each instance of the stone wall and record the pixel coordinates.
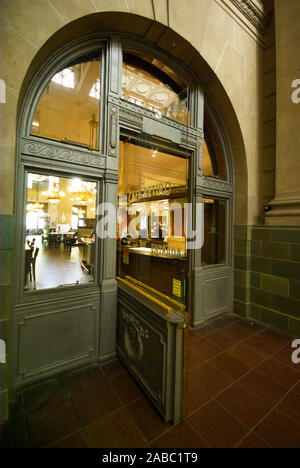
(267, 275)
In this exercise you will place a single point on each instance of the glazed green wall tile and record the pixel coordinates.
(295, 289)
(275, 285)
(286, 235)
(241, 277)
(272, 271)
(260, 297)
(295, 252)
(255, 279)
(256, 248)
(242, 232)
(276, 250)
(5, 266)
(241, 262)
(263, 234)
(241, 293)
(286, 269)
(294, 327)
(275, 319)
(242, 247)
(255, 312)
(4, 302)
(3, 406)
(286, 305)
(6, 232)
(241, 308)
(261, 265)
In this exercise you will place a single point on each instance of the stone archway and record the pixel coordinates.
(179, 49)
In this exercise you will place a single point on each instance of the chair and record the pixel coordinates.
(32, 264)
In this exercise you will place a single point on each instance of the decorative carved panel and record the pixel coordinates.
(113, 146)
(56, 152)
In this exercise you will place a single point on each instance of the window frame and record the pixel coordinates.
(111, 47)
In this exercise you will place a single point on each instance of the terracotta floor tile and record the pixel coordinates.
(265, 388)
(230, 366)
(52, 423)
(284, 355)
(237, 332)
(252, 327)
(95, 402)
(247, 354)
(76, 440)
(205, 348)
(217, 426)
(290, 406)
(218, 323)
(195, 396)
(231, 318)
(147, 419)
(193, 359)
(276, 336)
(79, 380)
(262, 342)
(115, 430)
(114, 368)
(253, 441)
(193, 335)
(41, 395)
(181, 436)
(242, 404)
(204, 330)
(210, 379)
(126, 388)
(283, 374)
(279, 431)
(222, 340)
(297, 388)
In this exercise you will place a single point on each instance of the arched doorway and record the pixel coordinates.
(72, 321)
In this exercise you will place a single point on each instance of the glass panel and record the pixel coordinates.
(151, 238)
(148, 84)
(60, 232)
(68, 109)
(213, 250)
(213, 158)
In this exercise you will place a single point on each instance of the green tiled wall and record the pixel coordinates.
(6, 244)
(267, 275)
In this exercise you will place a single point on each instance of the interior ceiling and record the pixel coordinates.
(138, 83)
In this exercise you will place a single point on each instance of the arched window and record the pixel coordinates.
(213, 157)
(68, 109)
(154, 86)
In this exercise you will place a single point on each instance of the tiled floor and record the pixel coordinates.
(243, 391)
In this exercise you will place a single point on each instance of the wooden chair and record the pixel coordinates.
(32, 264)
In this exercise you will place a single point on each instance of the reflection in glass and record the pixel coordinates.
(148, 86)
(213, 250)
(68, 109)
(213, 158)
(151, 237)
(60, 224)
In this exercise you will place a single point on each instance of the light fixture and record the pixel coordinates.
(154, 154)
(34, 207)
